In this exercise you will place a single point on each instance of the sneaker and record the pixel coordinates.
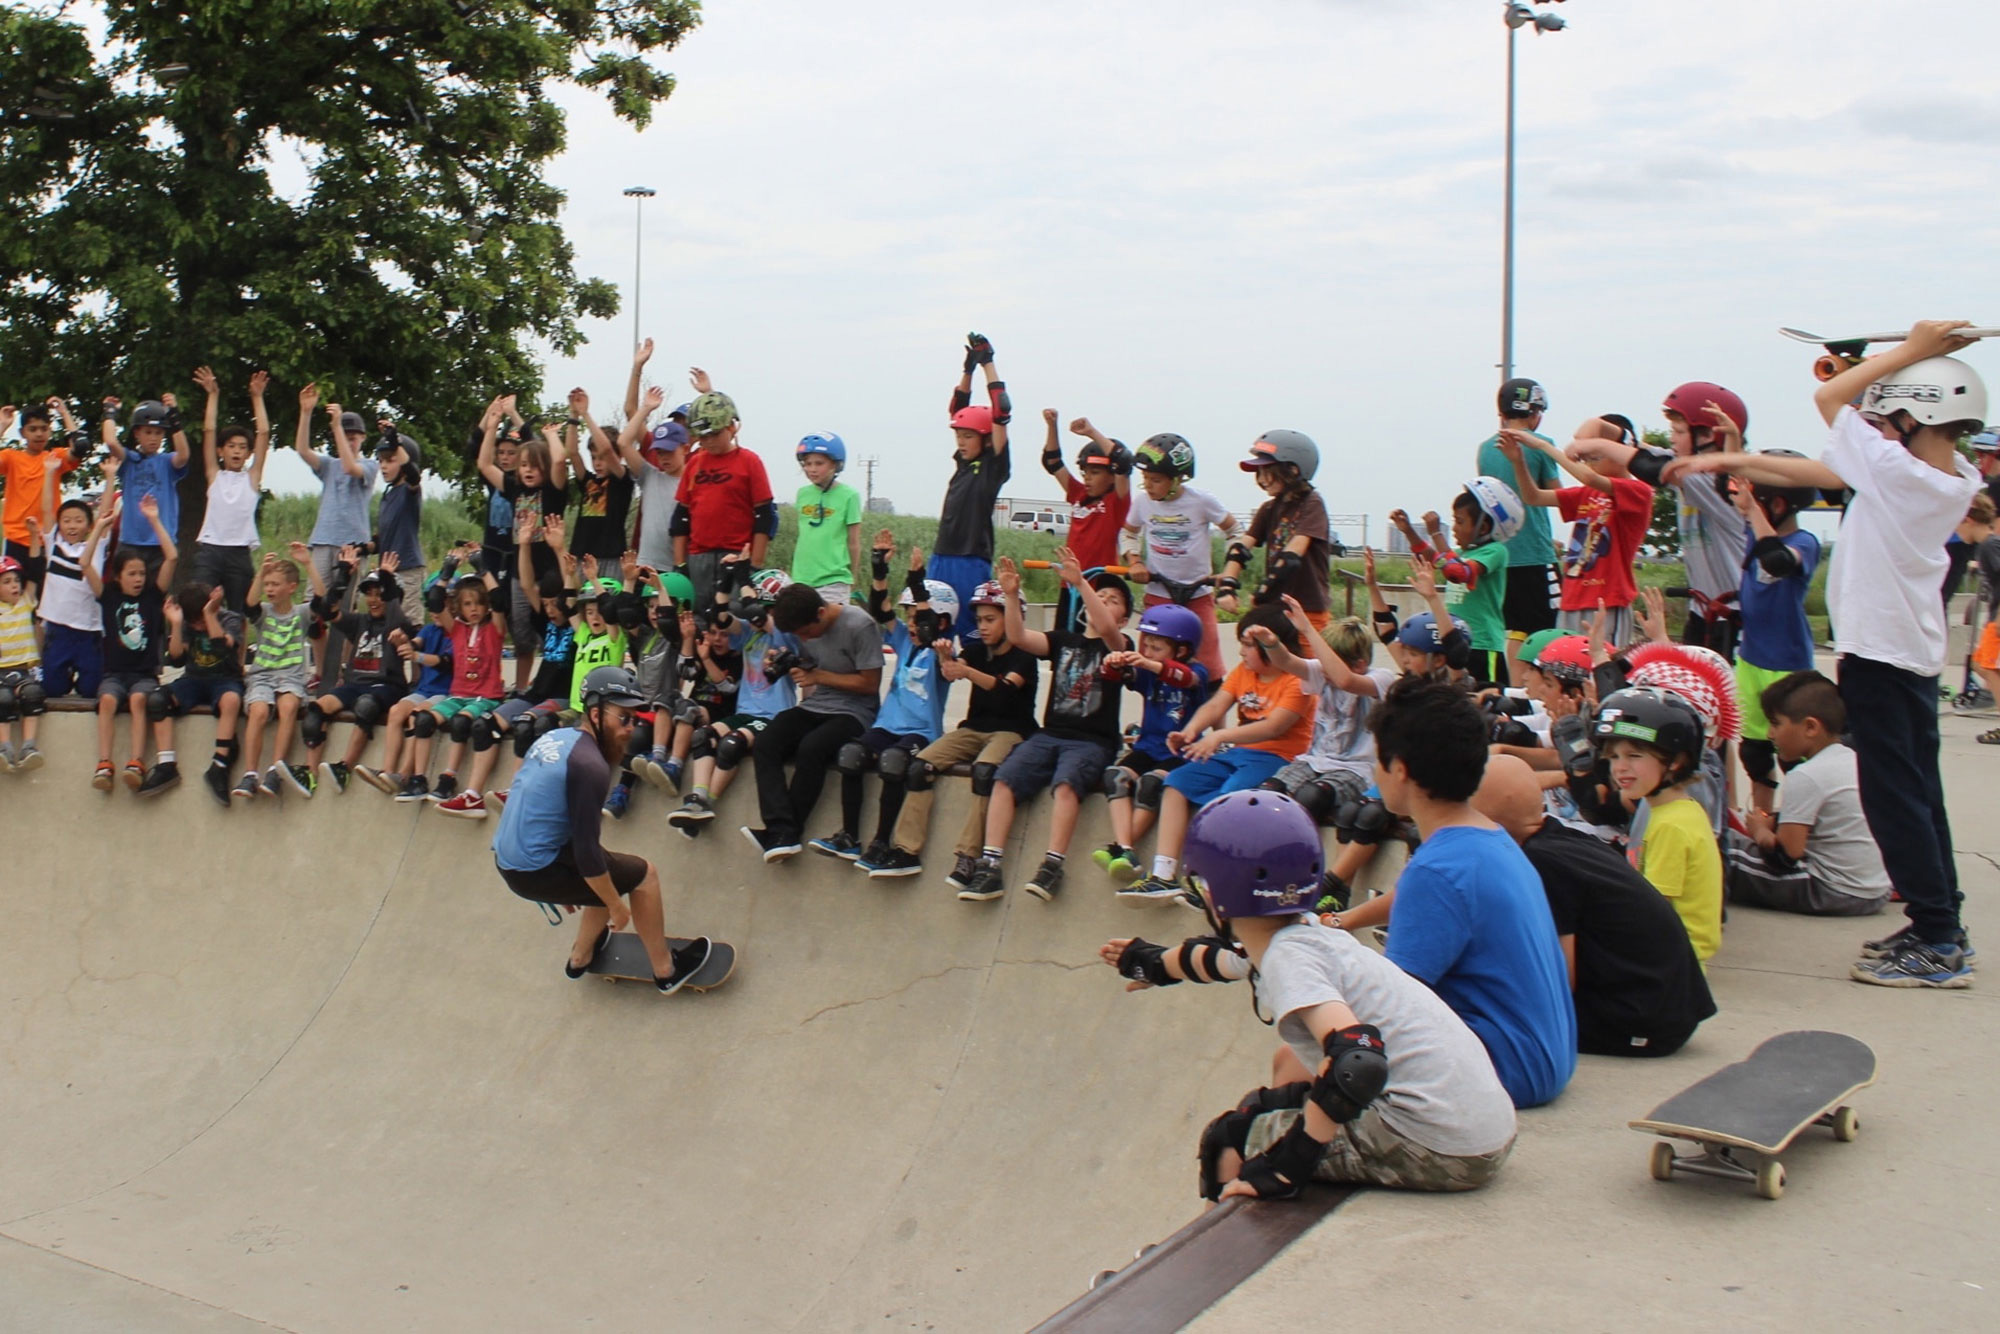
(445, 788)
(301, 779)
(618, 801)
(964, 867)
(1889, 944)
(671, 773)
(688, 960)
(28, 758)
(1116, 862)
(1989, 738)
(839, 844)
(1916, 965)
(773, 847)
(335, 773)
(216, 776)
(160, 778)
(273, 778)
(873, 857)
(102, 779)
(247, 788)
(1046, 880)
(135, 774)
(1150, 892)
(497, 799)
(466, 806)
(894, 863)
(646, 771)
(375, 778)
(416, 789)
(6, 760)
(695, 812)
(985, 884)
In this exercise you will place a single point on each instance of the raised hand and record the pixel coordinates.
(1423, 579)
(309, 397)
(205, 379)
(390, 562)
(169, 401)
(350, 554)
(655, 397)
(916, 558)
(149, 505)
(642, 354)
(1725, 425)
(1431, 524)
(172, 611)
(1049, 416)
(1368, 563)
(214, 598)
(259, 382)
(579, 403)
(1069, 567)
(1008, 576)
(553, 529)
(699, 379)
(589, 564)
(299, 551)
(1081, 426)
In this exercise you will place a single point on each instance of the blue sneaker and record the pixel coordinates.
(1896, 940)
(616, 804)
(1916, 965)
(839, 844)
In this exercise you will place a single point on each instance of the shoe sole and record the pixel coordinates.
(1122, 873)
(894, 872)
(463, 815)
(132, 780)
(102, 782)
(239, 794)
(164, 787)
(375, 780)
(28, 763)
(969, 896)
(1046, 895)
(332, 779)
(408, 797)
(1147, 900)
(681, 819)
(1954, 982)
(835, 852)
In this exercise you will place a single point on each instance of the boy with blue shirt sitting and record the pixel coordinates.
(913, 714)
(1470, 919)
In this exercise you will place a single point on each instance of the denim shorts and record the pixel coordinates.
(1044, 760)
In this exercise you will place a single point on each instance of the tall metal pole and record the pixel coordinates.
(639, 194)
(1507, 234)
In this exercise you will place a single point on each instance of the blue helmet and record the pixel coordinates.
(827, 443)
(1174, 622)
(1420, 633)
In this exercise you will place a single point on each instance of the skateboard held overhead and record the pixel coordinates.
(1844, 352)
(624, 959)
(1759, 1105)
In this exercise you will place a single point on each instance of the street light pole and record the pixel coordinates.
(638, 194)
(1518, 16)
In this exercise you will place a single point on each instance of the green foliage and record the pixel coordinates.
(1663, 534)
(144, 234)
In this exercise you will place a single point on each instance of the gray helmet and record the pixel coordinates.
(1293, 447)
(612, 685)
(150, 413)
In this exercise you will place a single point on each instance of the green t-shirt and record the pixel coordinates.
(821, 556)
(592, 652)
(1533, 545)
(1479, 607)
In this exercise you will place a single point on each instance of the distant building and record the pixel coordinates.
(881, 505)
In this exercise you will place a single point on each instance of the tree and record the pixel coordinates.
(145, 234)
(1663, 534)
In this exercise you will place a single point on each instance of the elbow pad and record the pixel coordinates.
(1386, 625)
(1239, 552)
(1357, 1071)
(1003, 406)
(1278, 571)
(1648, 463)
(960, 398)
(1777, 560)
(681, 524)
(764, 519)
(1052, 462)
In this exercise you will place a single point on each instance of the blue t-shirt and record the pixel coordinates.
(398, 522)
(343, 502)
(915, 706)
(1776, 635)
(557, 793)
(1167, 708)
(149, 475)
(758, 695)
(435, 682)
(1471, 922)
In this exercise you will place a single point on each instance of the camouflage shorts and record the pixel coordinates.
(1367, 1150)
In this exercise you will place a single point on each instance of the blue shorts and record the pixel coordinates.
(1230, 771)
(192, 692)
(1043, 760)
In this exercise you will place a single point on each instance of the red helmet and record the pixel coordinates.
(1691, 401)
(974, 418)
(8, 565)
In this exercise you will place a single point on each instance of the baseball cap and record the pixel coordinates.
(681, 411)
(1986, 442)
(670, 435)
(352, 424)
(711, 413)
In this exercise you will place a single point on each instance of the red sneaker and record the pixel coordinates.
(466, 806)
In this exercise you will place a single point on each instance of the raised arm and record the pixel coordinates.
(1512, 444)
(150, 507)
(260, 416)
(1928, 338)
(107, 429)
(344, 450)
(1107, 626)
(205, 378)
(1768, 469)
(302, 442)
(1052, 455)
(489, 435)
(182, 451)
(104, 524)
(640, 356)
(1009, 579)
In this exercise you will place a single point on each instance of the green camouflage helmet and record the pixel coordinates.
(711, 414)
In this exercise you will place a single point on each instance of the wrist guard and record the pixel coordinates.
(1143, 961)
(1356, 1073)
(1210, 959)
(1648, 463)
(1571, 738)
(919, 590)
(1386, 625)
(878, 563)
(1281, 1171)
(1228, 583)
(171, 424)
(1285, 1098)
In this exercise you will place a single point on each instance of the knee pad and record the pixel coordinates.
(10, 704)
(894, 764)
(524, 737)
(1760, 761)
(1146, 794)
(159, 705)
(545, 721)
(1118, 782)
(368, 712)
(1320, 798)
(642, 739)
(32, 699)
(461, 727)
(1231, 1130)
(704, 744)
(919, 776)
(852, 759)
(486, 733)
(982, 779)
(729, 751)
(423, 725)
(312, 725)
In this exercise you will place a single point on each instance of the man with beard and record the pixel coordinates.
(548, 848)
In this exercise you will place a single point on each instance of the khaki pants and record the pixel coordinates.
(961, 746)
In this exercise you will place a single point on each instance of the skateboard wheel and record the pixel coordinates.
(1846, 1125)
(1661, 1164)
(1771, 1179)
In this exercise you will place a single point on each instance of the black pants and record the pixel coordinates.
(1892, 725)
(810, 741)
(877, 743)
(227, 568)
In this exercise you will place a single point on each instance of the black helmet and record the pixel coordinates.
(1657, 718)
(1796, 498)
(612, 685)
(1094, 455)
(1166, 453)
(1522, 397)
(150, 413)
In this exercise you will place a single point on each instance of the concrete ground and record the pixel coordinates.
(315, 1069)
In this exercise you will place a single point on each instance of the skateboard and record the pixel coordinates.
(1842, 353)
(1759, 1105)
(624, 959)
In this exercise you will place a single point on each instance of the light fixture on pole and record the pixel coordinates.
(638, 194)
(1518, 16)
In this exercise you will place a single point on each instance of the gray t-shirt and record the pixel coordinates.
(1714, 536)
(1840, 852)
(1442, 1091)
(343, 503)
(1341, 739)
(656, 514)
(853, 643)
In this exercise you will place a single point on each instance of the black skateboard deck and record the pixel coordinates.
(624, 959)
(1759, 1105)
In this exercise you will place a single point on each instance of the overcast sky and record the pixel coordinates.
(1218, 219)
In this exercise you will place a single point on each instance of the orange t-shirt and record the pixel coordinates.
(1256, 697)
(22, 473)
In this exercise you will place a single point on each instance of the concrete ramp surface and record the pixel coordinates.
(310, 1065)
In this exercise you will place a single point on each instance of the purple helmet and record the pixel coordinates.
(1170, 620)
(1257, 854)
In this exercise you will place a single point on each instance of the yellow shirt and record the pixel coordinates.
(17, 633)
(1679, 856)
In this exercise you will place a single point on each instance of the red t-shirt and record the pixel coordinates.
(475, 660)
(1093, 528)
(1597, 565)
(722, 492)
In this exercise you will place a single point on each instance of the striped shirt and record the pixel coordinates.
(17, 633)
(281, 640)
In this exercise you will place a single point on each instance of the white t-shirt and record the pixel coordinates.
(656, 514)
(231, 518)
(1889, 561)
(1341, 739)
(1841, 854)
(1442, 1091)
(1174, 534)
(66, 597)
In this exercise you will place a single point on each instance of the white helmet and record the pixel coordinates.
(1500, 504)
(943, 598)
(1935, 391)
